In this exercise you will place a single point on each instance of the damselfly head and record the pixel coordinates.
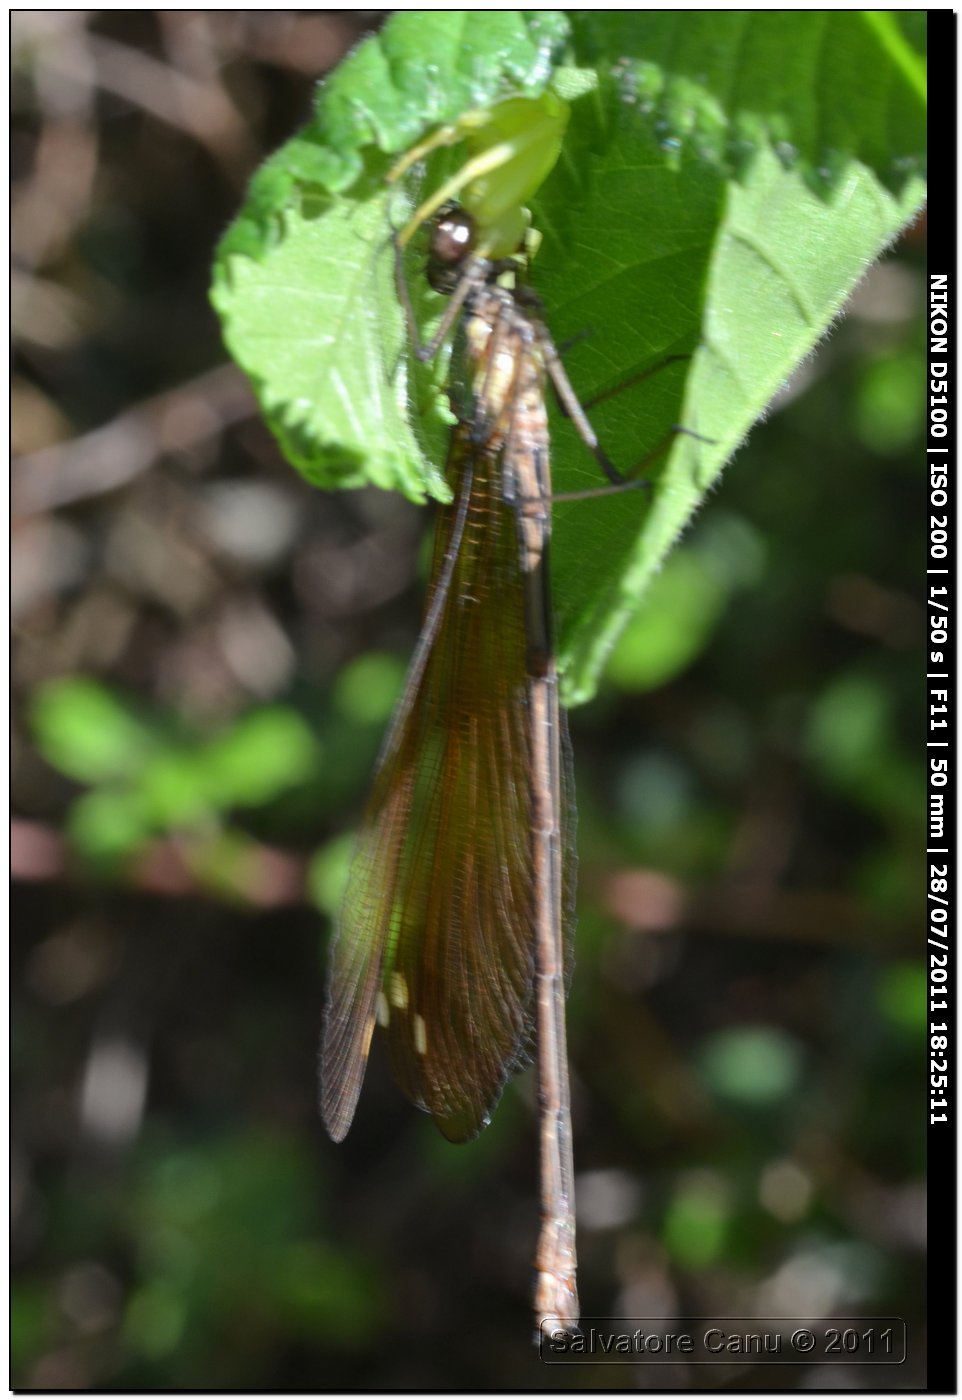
(452, 242)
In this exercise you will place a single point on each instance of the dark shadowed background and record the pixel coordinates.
(205, 655)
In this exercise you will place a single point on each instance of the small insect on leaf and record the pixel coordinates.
(512, 148)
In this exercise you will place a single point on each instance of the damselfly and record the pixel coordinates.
(456, 928)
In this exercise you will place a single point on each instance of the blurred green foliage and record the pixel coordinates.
(684, 603)
(752, 1065)
(147, 776)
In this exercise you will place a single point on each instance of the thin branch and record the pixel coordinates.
(271, 878)
(113, 455)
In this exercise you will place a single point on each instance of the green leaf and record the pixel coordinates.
(902, 995)
(683, 604)
(419, 72)
(823, 87)
(264, 754)
(89, 734)
(367, 689)
(154, 1319)
(107, 826)
(888, 410)
(231, 1218)
(327, 874)
(33, 1321)
(697, 1220)
(851, 742)
(173, 791)
(753, 1065)
(723, 184)
(147, 782)
(748, 276)
(304, 279)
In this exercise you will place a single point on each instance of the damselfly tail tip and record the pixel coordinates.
(556, 1305)
(557, 1333)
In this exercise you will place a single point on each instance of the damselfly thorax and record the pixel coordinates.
(505, 343)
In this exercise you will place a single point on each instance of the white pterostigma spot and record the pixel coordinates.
(420, 1035)
(383, 1013)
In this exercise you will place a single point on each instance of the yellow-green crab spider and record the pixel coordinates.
(512, 147)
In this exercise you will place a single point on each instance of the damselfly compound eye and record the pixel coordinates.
(452, 241)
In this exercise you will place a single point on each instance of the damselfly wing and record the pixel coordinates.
(436, 940)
